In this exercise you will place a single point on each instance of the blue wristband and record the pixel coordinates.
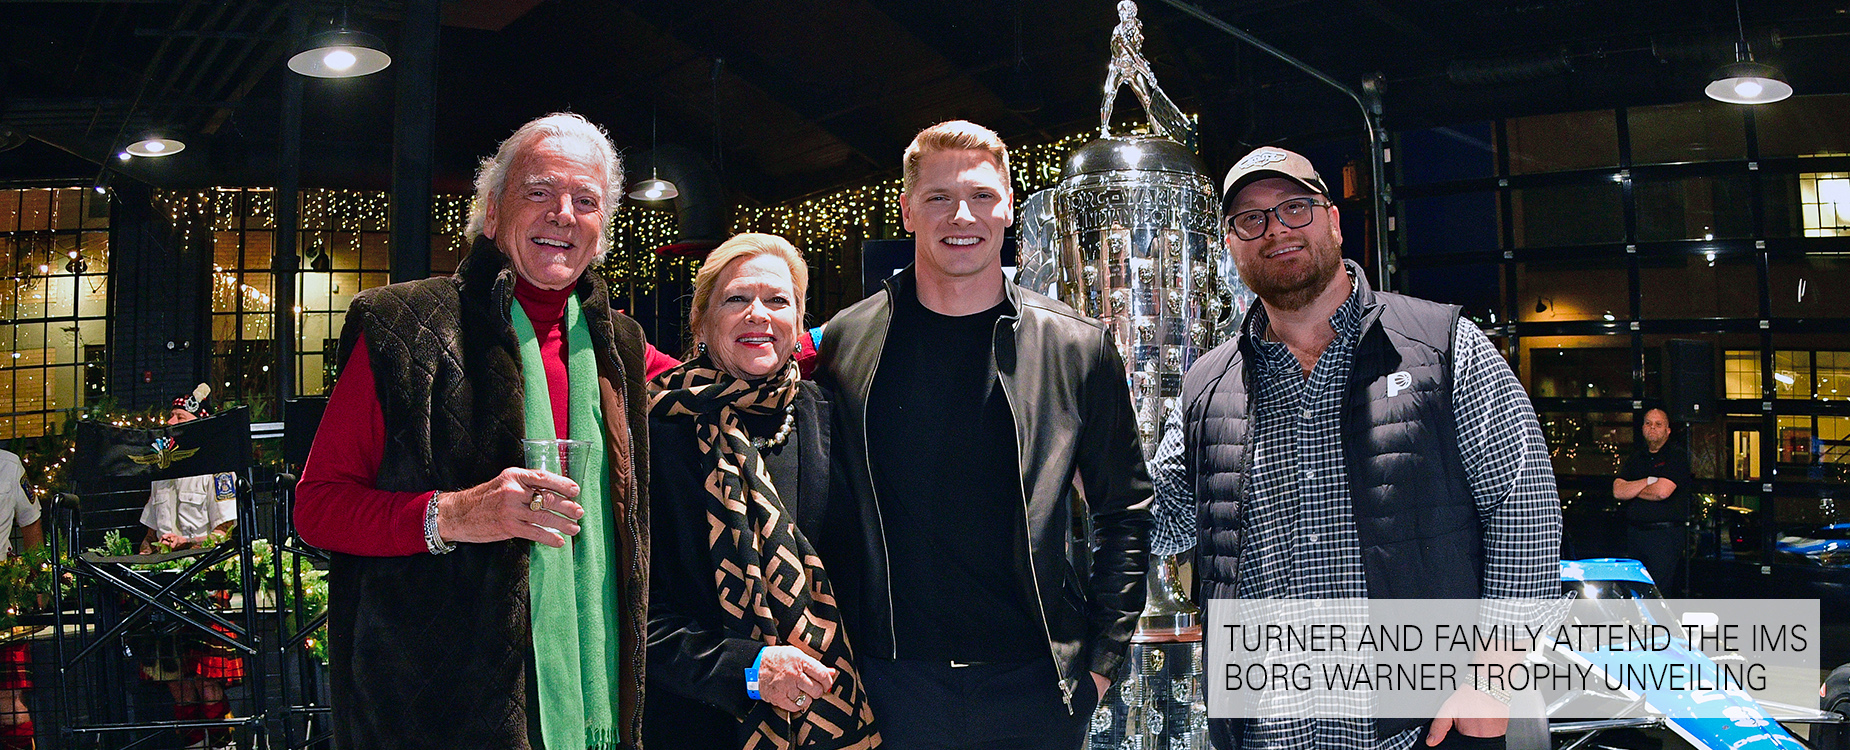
(751, 677)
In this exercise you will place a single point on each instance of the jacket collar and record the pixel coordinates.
(906, 281)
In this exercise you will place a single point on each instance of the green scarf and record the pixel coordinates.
(573, 591)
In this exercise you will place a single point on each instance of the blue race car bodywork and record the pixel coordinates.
(1718, 717)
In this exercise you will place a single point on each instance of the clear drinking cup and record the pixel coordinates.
(567, 458)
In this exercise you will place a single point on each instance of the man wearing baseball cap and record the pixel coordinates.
(1350, 443)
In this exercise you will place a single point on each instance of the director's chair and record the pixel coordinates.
(112, 598)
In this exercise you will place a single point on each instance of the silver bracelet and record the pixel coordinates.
(1483, 686)
(432, 540)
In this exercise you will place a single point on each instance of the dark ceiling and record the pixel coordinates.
(792, 97)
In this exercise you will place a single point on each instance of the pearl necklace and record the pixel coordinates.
(783, 433)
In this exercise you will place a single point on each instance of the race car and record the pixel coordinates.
(1724, 717)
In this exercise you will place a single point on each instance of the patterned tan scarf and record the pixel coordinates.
(771, 584)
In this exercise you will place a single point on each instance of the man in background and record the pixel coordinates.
(1654, 485)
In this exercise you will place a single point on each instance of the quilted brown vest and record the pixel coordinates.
(432, 651)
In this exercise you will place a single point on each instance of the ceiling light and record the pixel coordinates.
(654, 189)
(340, 53)
(1748, 82)
(1745, 81)
(155, 146)
(124, 156)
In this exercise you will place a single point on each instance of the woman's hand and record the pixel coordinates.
(502, 508)
(790, 679)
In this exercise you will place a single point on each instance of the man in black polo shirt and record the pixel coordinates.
(984, 428)
(1653, 483)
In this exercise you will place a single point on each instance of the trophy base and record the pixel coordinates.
(1159, 705)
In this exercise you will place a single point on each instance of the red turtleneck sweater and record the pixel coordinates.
(337, 507)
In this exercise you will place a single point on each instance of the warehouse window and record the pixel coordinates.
(54, 295)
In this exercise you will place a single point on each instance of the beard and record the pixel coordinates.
(1291, 287)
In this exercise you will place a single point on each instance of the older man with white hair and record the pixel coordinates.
(458, 617)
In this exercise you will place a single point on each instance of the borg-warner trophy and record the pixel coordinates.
(1131, 236)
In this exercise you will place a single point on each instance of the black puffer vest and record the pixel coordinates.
(1414, 512)
(435, 651)
(1413, 506)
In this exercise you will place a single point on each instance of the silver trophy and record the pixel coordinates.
(1131, 236)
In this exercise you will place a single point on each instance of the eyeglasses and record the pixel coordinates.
(1292, 214)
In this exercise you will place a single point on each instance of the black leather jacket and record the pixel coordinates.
(1067, 389)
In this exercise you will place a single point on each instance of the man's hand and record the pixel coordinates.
(501, 508)
(1657, 489)
(792, 680)
(1472, 713)
(1627, 489)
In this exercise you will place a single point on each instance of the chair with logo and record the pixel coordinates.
(187, 613)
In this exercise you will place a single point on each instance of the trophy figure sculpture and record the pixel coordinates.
(1131, 236)
(1128, 67)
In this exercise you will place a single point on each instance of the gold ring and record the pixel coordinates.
(538, 498)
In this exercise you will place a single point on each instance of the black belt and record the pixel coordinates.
(1655, 525)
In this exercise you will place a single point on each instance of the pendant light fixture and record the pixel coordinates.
(655, 188)
(155, 146)
(1745, 81)
(340, 53)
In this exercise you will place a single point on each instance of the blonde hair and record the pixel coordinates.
(954, 135)
(491, 176)
(740, 247)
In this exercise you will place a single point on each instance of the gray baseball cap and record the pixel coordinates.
(1271, 161)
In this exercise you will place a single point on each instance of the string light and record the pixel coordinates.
(827, 227)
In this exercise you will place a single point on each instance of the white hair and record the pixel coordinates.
(491, 176)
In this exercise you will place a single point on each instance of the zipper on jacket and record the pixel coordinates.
(631, 494)
(1064, 685)
(636, 572)
(886, 556)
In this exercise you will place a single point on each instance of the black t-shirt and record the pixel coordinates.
(941, 442)
(1670, 462)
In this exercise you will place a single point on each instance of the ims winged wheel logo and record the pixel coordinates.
(166, 452)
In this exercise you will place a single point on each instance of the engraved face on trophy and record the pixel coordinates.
(1142, 384)
(1172, 243)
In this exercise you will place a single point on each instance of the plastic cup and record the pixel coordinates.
(567, 458)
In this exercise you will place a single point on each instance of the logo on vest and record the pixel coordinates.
(1398, 382)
